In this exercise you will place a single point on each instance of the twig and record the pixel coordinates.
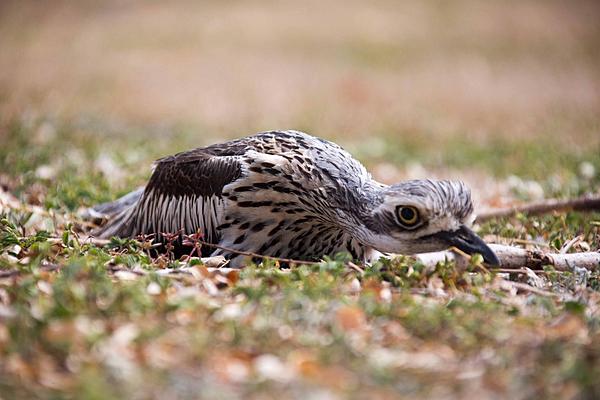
(526, 242)
(116, 268)
(93, 240)
(517, 258)
(356, 268)
(567, 246)
(522, 271)
(584, 203)
(528, 288)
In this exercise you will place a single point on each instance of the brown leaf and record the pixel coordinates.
(350, 318)
(305, 363)
(567, 326)
(203, 271)
(233, 276)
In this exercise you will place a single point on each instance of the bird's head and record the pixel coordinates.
(424, 215)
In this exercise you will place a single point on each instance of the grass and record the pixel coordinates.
(82, 321)
(504, 95)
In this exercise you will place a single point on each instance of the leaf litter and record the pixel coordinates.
(82, 318)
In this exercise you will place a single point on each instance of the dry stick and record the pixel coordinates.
(522, 271)
(523, 241)
(115, 269)
(567, 246)
(528, 288)
(584, 203)
(516, 258)
(512, 257)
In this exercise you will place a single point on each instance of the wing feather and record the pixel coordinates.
(184, 192)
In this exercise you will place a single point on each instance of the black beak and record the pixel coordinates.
(466, 240)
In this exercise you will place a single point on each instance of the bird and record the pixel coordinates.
(288, 194)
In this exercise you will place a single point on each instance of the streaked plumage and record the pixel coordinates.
(288, 194)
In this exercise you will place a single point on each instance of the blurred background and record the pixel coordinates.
(414, 88)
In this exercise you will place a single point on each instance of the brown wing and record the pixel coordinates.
(196, 174)
(184, 193)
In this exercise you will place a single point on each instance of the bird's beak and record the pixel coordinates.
(466, 240)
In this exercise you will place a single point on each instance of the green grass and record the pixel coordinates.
(75, 322)
(504, 95)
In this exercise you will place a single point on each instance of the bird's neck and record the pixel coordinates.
(354, 209)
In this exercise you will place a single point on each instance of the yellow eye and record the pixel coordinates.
(408, 216)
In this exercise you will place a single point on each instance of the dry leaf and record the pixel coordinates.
(567, 326)
(350, 318)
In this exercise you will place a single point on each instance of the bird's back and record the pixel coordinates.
(276, 193)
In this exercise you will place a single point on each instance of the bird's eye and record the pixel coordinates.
(408, 216)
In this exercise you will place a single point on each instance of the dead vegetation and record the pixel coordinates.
(504, 95)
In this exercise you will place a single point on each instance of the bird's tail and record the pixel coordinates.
(117, 215)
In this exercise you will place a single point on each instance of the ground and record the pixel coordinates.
(504, 95)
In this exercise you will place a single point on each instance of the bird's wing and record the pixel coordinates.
(184, 193)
